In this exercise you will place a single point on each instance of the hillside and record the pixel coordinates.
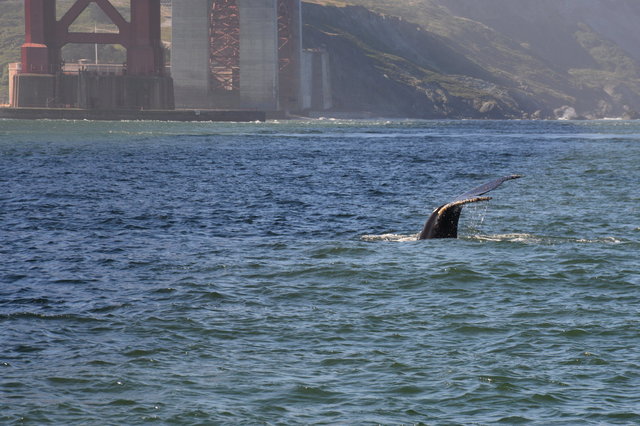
(388, 66)
(452, 58)
(542, 56)
(11, 38)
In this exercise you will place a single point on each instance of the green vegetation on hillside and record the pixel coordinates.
(388, 66)
(541, 51)
(11, 38)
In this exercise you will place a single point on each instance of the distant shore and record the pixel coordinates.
(117, 115)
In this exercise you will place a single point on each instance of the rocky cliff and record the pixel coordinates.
(489, 59)
(388, 66)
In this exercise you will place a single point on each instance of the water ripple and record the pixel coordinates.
(269, 273)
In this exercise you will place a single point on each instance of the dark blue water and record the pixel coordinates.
(265, 274)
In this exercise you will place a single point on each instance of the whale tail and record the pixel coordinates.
(443, 222)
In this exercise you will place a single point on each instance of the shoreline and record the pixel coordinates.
(195, 115)
(142, 115)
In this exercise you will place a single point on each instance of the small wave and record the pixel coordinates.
(39, 316)
(514, 420)
(605, 240)
(313, 392)
(390, 237)
(338, 251)
(68, 380)
(123, 403)
(518, 238)
(513, 238)
(540, 239)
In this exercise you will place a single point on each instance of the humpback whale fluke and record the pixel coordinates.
(443, 222)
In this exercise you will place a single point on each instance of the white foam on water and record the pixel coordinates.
(390, 237)
(543, 239)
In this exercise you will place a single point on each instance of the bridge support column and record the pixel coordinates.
(259, 65)
(190, 65)
(290, 54)
(145, 54)
(40, 53)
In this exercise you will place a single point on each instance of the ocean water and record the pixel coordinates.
(265, 273)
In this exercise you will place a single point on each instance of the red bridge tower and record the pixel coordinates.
(45, 36)
(42, 81)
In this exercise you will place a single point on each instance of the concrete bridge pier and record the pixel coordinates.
(259, 63)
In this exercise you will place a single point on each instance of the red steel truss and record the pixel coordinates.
(224, 45)
(45, 36)
(285, 43)
(289, 49)
(224, 42)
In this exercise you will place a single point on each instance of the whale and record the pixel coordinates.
(443, 222)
